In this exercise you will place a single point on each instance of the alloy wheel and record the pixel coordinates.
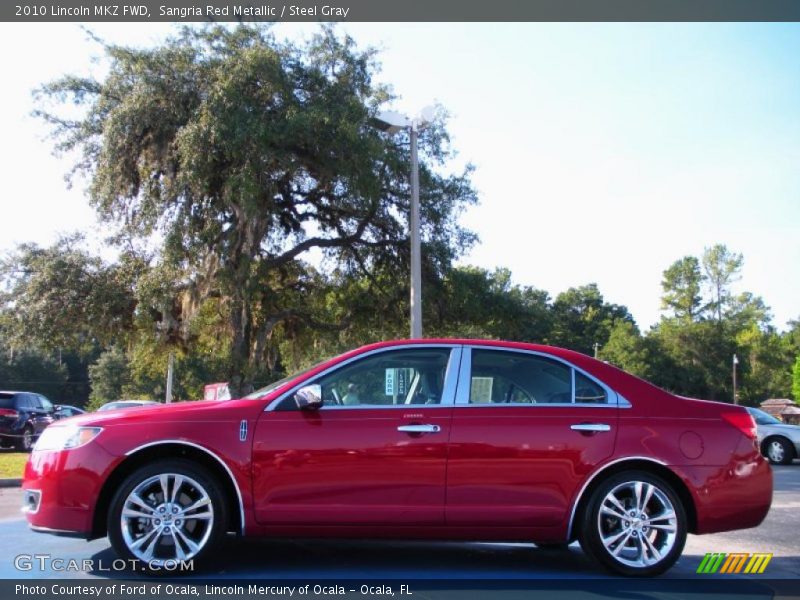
(167, 517)
(637, 524)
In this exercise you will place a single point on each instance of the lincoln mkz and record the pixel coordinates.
(426, 439)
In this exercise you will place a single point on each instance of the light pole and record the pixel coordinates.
(392, 122)
(735, 362)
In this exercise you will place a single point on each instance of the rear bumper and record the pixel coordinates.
(60, 489)
(734, 496)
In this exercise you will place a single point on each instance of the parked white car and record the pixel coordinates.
(779, 442)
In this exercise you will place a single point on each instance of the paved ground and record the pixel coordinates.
(779, 534)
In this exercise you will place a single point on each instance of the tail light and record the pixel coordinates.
(742, 421)
(9, 412)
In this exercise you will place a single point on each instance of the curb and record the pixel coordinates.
(9, 483)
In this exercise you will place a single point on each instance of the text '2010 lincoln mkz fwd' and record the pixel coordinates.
(424, 439)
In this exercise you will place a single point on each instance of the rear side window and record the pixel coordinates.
(505, 377)
(7, 401)
(515, 378)
(588, 392)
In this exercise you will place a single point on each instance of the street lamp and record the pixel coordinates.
(735, 362)
(393, 122)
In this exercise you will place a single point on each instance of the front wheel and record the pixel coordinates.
(635, 524)
(165, 513)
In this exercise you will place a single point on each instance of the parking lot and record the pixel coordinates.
(290, 559)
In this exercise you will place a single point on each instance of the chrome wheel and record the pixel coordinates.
(637, 524)
(27, 440)
(167, 517)
(775, 451)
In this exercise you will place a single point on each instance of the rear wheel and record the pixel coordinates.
(779, 451)
(25, 441)
(635, 524)
(165, 513)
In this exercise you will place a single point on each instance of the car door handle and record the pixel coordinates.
(419, 428)
(595, 427)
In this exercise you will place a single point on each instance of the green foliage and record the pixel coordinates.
(582, 318)
(244, 153)
(63, 298)
(109, 375)
(681, 285)
(796, 380)
(33, 371)
(721, 268)
(628, 350)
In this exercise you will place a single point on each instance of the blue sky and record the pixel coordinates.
(604, 152)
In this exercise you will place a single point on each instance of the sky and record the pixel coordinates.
(603, 152)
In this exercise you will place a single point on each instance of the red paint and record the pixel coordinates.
(501, 472)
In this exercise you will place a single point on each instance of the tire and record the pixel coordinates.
(778, 451)
(150, 534)
(646, 544)
(25, 442)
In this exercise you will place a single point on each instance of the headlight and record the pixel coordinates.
(63, 438)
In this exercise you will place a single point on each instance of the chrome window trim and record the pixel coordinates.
(615, 400)
(448, 390)
(592, 477)
(210, 453)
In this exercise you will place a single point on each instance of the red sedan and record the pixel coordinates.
(433, 439)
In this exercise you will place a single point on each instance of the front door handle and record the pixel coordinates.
(419, 428)
(593, 427)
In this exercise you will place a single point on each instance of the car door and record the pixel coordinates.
(42, 411)
(526, 430)
(374, 454)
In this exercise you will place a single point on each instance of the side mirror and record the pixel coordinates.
(309, 397)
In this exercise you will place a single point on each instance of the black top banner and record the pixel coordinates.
(400, 10)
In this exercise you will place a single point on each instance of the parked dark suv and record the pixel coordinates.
(23, 416)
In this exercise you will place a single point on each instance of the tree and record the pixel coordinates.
(681, 285)
(244, 153)
(627, 349)
(796, 380)
(109, 376)
(582, 318)
(64, 298)
(721, 268)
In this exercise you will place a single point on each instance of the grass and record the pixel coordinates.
(12, 464)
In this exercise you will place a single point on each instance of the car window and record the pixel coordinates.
(46, 404)
(25, 401)
(392, 378)
(587, 391)
(500, 377)
(7, 401)
(763, 418)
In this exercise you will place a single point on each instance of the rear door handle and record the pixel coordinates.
(590, 427)
(419, 428)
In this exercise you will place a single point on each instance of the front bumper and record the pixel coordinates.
(61, 488)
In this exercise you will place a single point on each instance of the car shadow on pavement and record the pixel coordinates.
(371, 559)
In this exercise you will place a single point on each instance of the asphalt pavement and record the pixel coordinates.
(392, 560)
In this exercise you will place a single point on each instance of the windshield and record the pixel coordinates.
(763, 418)
(260, 393)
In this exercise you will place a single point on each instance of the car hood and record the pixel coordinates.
(160, 412)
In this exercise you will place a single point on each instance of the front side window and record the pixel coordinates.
(393, 378)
